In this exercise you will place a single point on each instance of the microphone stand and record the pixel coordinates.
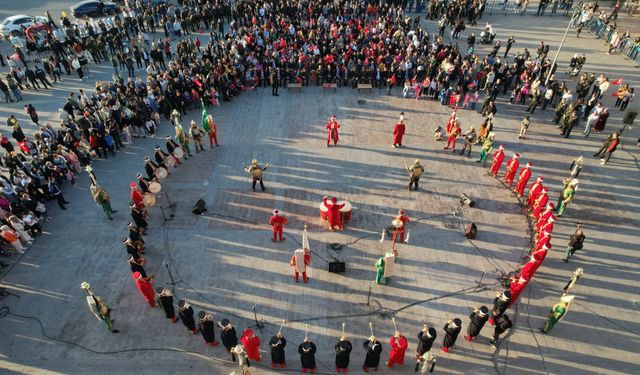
(173, 281)
(259, 324)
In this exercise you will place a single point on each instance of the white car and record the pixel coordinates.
(14, 23)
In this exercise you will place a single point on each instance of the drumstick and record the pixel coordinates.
(371, 328)
(342, 328)
(394, 324)
(281, 325)
(306, 328)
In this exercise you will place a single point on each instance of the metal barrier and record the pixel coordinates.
(510, 7)
(631, 50)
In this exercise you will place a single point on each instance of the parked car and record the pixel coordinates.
(13, 24)
(91, 8)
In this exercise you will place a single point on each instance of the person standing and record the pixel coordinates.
(415, 171)
(451, 330)
(611, 148)
(274, 77)
(101, 197)
(372, 358)
(343, 351)
(512, 168)
(196, 134)
(278, 221)
(502, 324)
(243, 360)
(332, 131)
(56, 191)
(98, 307)
(12, 237)
(487, 147)
(510, 42)
(426, 337)
(207, 328)
(478, 319)
(228, 336)
(136, 265)
(278, 343)
(398, 132)
(165, 300)
(251, 344)
(558, 311)
(145, 288)
(136, 196)
(333, 213)
(399, 223)
(523, 178)
(429, 363)
(453, 135)
(567, 196)
(575, 243)
(500, 305)
(516, 287)
(398, 345)
(524, 126)
(185, 312)
(496, 163)
(256, 171)
(534, 191)
(299, 261)
(307, 351)
(212, 131)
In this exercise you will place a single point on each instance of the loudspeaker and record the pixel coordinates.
(200, 207)
(466, 201)
(471, 231)
(629, 117)
(336, 267)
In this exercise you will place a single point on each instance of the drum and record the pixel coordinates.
(345, 212)
(149, 200)
(170, 161)
(178, 153)
(324, 212)
(155, 187)
(161, 173)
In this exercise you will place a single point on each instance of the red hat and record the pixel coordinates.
(551, 205)
(247, 332)
(529, 164)
(501, 147)
(401, 212)
(334, 200)
(545, 190)
(516, 155)
(275, 212)
(540, 179)
(133, 184)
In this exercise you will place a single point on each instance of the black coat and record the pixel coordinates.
(166, 302)
(451, 335)
(207, 329)
(424, 342)
(476, 323)
(186, 316)
(229, 338)
(307, 358)
(343, 351)
(373, 353)
(277, 349)
(499, 306)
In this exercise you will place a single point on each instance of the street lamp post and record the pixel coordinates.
(576, 13)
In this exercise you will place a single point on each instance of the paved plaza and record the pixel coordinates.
(225, 262)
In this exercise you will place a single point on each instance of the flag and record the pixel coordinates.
(305, 240)
(205, 125)
(617, 82)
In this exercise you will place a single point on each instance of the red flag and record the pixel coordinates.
(617, 82)
(614, 94)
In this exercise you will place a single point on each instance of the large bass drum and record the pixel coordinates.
(161, 173)
(155, 187)
(149, 200)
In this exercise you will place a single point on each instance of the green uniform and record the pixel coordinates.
(487, 147)
(567, 193)
(556, 313)
(380, 271)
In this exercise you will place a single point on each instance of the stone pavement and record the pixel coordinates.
(227, 265)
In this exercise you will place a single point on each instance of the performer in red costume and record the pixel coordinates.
(398, 347)
(540, 255)
(333, 213)
(534, 190)
(498, 158)
(451, 122)
(547, 226)
(399, 223)
(145, 288)
(516, 287)
(529, 269)
(332, 131)
(299, 261)
(512, 168)
(544, 215)
(544, 239)
(251, 344)
(136, 196)
(540, 204)
(398, 132)
(523, 178)
(278, 221)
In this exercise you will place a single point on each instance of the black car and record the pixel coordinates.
(91, 8)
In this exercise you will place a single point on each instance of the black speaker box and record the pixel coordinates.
(200, 207)
(471, 231)
(336, 267)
